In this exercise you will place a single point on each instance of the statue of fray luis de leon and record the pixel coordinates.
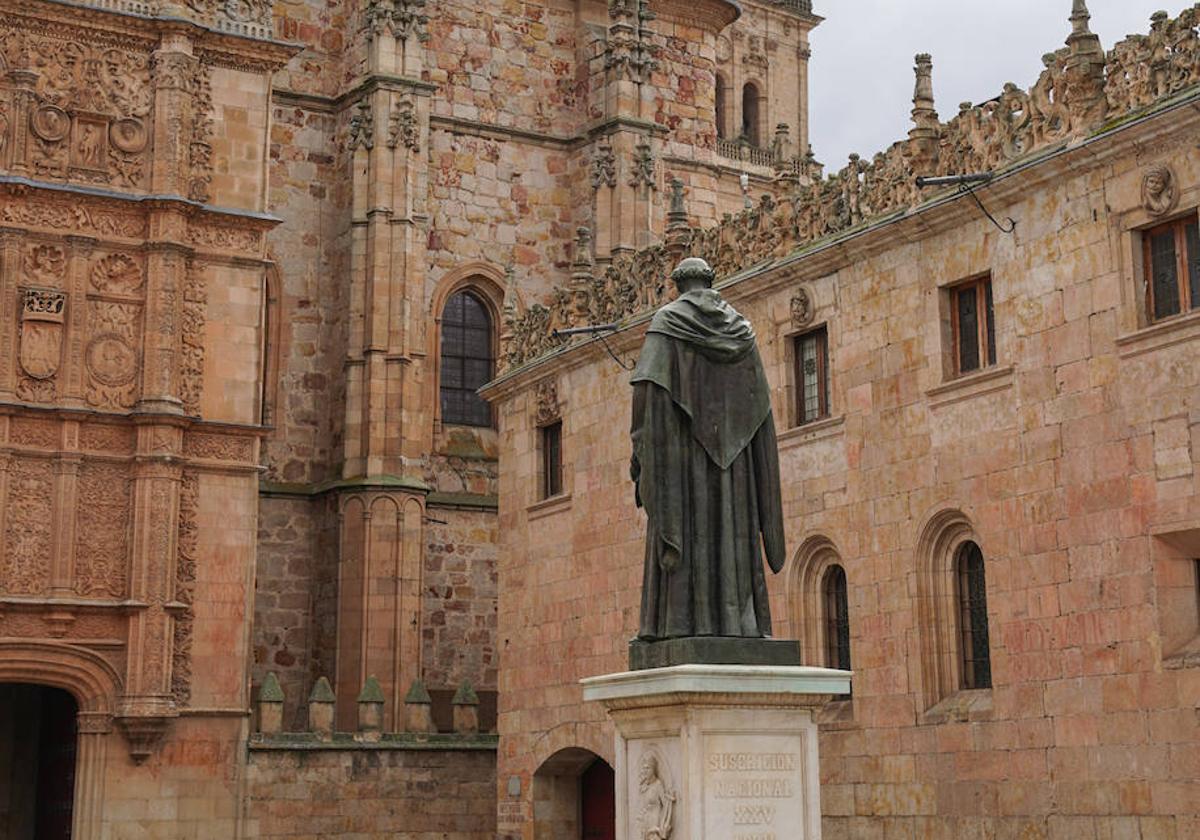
(706, 469)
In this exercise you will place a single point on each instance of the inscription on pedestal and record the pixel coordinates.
(754, 786)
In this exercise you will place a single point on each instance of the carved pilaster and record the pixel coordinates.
(175, 73)
(10, 261)
(167, 270)
(91, 762)
(24, 97)
(66, 492)
(147, 706)
(79, 252)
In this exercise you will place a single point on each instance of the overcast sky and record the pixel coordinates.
(861, 78)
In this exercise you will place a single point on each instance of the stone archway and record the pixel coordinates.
(573, 797)
(94, 687)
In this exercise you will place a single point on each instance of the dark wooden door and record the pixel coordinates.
(599, 802)
(56, 766)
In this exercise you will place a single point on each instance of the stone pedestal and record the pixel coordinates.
(717, 752)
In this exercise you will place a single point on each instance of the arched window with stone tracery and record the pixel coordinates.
(467, 359)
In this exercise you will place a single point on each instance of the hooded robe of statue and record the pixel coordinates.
(706, 470)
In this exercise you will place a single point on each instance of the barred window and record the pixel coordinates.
(552, 460)
(1172, 265)
(811, 353)
(837, 619)
(973, 620)
(467, 361)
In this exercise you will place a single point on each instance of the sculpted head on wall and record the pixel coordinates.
(1160, 191)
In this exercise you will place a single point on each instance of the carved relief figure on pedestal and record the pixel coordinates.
(1160, 193)
(656, 801)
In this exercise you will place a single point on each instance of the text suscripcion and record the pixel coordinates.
(752, 762)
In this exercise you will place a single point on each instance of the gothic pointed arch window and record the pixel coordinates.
(467, 359)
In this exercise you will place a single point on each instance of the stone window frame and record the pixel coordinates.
(760, 128)
(937, 613)
(551, 485)
(1177, 225)
(824, 375)
(988, 348)
(463, 355)
(721, 109)
(486, 280)
(809, 618)
(806, 587)
(1128, 222)
(1176, 564)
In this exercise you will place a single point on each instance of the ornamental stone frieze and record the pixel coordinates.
(1079, 91)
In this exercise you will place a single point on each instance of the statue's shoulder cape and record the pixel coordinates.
(701, 351)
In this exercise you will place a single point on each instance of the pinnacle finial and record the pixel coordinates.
(1080, 17)
(677, 197)
(924, 112)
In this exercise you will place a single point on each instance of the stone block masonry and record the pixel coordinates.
(387, 789)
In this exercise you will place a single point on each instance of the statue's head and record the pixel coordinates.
(648, 770)
(693, 273)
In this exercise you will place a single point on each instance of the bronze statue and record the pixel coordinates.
(706, 470)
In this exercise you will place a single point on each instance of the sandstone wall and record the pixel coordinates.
(328, 792)
(1073, 460)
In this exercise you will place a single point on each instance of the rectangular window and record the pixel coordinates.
(1172, 268)
(811, 352)
(974, 325)
(552, 460)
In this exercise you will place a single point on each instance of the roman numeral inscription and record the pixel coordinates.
(754, 794)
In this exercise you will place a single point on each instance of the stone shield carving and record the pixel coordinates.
(42, 332)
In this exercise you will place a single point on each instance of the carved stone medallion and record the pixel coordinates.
(41, 332)
(111, 361)
(50, 123)
(128, 136)
(1160, 190)
(802, 307)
